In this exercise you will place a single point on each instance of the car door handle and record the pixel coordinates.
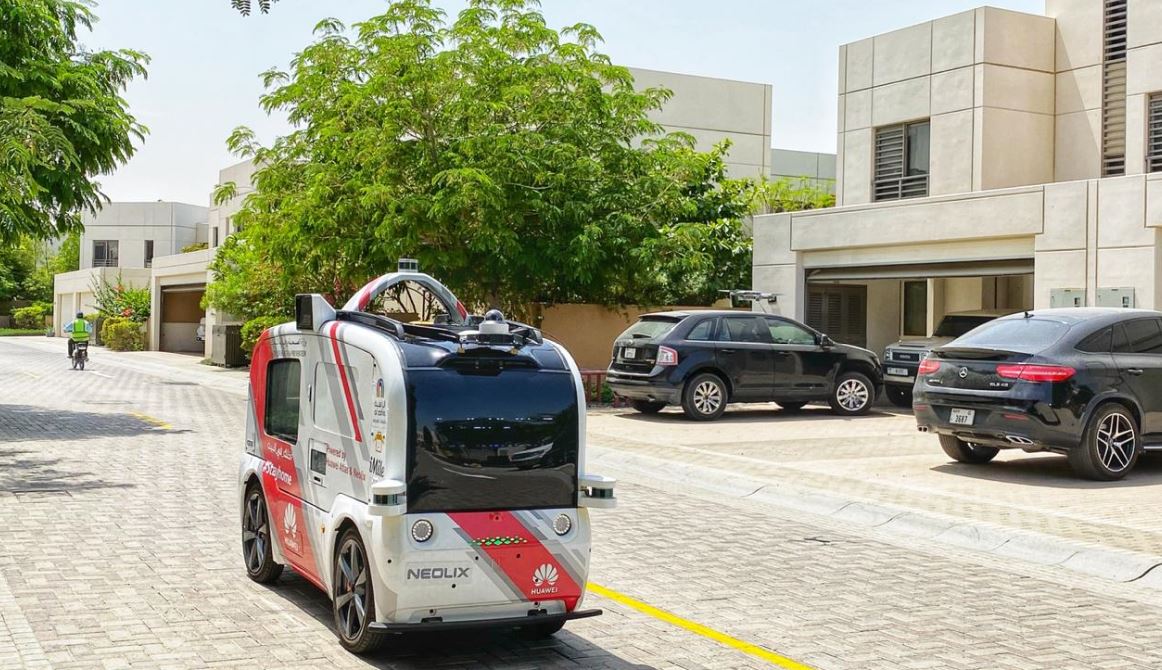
(728, 351)
(1135, 371)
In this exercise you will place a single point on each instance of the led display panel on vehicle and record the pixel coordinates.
(505, 440)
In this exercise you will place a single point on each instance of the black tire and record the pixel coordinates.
(352, 587)
(647, 406)
(1102, 455)
(540, 631)
(81, 365)
(900, 396)
(74, 362)
(256, 544)
(705, 397)
(853, 394)
(963, 452)
(792, 406)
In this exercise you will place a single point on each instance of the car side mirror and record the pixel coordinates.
(826, 342)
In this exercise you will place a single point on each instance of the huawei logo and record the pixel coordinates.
(546, 574)
(290, 522)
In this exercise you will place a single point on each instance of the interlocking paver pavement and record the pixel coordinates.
(120, 549)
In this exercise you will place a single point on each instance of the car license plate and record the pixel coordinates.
(898, 372)
(629, 352)
(962, 417)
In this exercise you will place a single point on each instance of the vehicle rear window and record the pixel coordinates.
(649, 328)
(955, 326)
(703, 331)
(1024, 335)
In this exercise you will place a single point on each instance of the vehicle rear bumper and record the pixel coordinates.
(644, 388)
(1002, 423)
(533, 619)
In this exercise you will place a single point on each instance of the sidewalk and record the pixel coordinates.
(878, 472)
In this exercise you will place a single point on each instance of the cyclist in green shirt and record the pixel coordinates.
(79, 330)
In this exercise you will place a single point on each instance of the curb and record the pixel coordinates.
(1038, 548)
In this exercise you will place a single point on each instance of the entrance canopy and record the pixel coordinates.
(994, 268)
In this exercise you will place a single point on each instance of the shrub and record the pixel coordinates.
(254, 328)
(121, 301)
(121, 334)
(196, 246)
(31, 317)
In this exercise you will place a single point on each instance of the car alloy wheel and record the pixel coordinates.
(351, 590)
(256, 544)
(852, 395)
(707, 397)
(1116, 442)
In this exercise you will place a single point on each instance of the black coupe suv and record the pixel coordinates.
(706, 359)
(1084, 382)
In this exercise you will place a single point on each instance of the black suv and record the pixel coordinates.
(704, 360)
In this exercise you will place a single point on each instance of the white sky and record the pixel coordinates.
(203, 79)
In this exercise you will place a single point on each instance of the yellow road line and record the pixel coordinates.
(152, 421)
(721, 638)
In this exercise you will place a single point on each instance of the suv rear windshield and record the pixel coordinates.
(650, 327)
(957, 325)
(1023, 335)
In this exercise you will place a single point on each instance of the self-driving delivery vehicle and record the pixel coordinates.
(426, 469)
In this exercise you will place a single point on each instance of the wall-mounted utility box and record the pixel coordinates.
(1066, 297)
(1116, 297)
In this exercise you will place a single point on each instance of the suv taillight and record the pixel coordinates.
(927, 367)
(1031, 372)
(667, 356)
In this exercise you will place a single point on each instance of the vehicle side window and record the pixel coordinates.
(1100, 342)
(1143, 336)
(282, 399)
(743, 329)
(703, 331)
(785, 332)
(330, 398)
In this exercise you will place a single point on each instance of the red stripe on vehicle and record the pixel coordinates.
(529, 565)
(343, 379)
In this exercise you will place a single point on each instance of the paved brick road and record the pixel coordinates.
(120, 549)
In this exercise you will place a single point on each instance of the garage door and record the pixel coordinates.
(181, 311)
(840, 311)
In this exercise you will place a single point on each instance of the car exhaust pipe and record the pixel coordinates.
(1022, 442)
(922, 429)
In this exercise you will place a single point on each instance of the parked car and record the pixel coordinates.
(1084, 382)
(903, 357)
(703, 360)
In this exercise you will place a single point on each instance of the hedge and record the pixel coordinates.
(121, 334)
(31, 317)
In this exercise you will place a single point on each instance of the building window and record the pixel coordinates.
(104, 253)
(1113, 117)
(1154, 134)
(282, 400)
(915, 308)
(901, 161)
(149, 253)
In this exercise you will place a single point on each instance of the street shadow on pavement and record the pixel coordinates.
(498, 648)
(1054, 472)
(26, 471)
(25, 423)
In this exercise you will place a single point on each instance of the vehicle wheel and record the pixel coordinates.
(1109, 446)
(963, 452)
(81, 364)
(853, 394)
(352, 599)
(74, 362)
(647, 406)
(792, 406)
(541, 631)
(256, 551)
(704, 397)
(900, 396)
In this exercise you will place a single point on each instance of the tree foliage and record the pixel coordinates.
(516, 162)
(62, 118)
(244, 6)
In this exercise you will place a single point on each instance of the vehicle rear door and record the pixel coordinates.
(746, 354)
(1138, 355)
(802, 365)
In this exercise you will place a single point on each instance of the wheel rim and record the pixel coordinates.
(707, 397)
(1116, 442)
(351, 590)
(852, 395)
(255, 532)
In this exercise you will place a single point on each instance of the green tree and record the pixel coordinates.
(244, 6)
(514, 161)
(62, 118)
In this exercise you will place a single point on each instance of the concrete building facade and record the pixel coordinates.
(989, 159)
